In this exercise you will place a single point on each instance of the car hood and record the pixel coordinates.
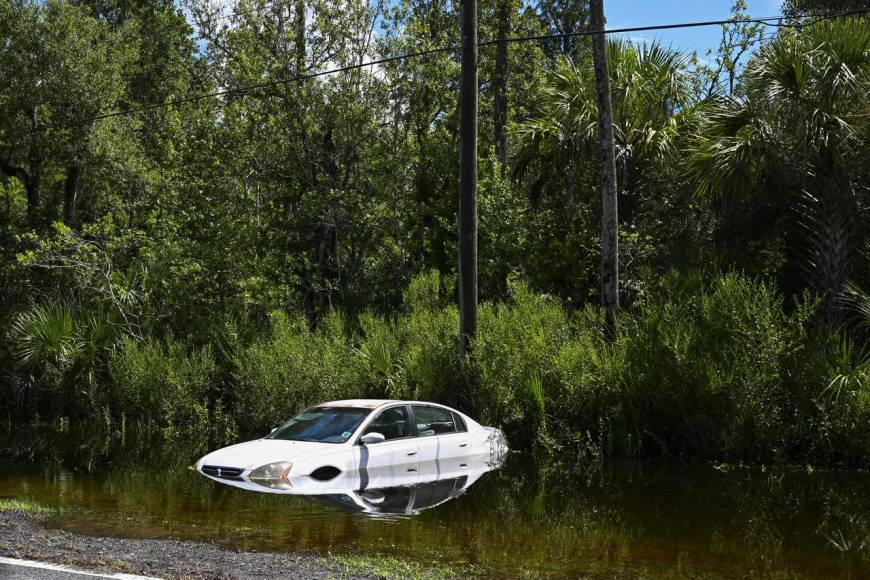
(253, 454)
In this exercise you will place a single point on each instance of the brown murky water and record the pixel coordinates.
(533, 517)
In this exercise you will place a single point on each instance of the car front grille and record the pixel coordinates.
(220, 471)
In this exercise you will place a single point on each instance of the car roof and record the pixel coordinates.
(372, 403)
(359, 403)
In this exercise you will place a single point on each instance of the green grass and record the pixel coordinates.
(21, 505)
(388, 567)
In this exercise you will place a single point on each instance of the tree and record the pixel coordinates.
(609, 217)
(58, 68)
(565, 18)
(504, 10)
(738, 39)
(797, 8)
(798, 135)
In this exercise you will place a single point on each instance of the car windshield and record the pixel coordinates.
(322, 425)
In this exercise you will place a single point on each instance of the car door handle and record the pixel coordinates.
(463, 444)
(412, 469)
(412, 453)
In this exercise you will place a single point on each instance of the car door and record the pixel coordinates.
(441, 442)
(394, 461)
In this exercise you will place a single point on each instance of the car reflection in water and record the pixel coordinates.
(402, 490)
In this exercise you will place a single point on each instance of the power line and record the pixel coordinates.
(422, 53)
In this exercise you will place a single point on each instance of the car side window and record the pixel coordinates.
(392, 423)
(433, 421)
(460, 423)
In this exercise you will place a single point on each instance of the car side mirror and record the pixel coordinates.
(373, 437)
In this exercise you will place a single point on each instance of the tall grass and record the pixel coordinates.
(163, 382)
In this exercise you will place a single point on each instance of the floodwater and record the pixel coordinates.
(529, 517)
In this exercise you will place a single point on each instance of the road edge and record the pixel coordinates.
(58, 568)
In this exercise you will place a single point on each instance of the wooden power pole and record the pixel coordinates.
(468, 183)
(609, 219)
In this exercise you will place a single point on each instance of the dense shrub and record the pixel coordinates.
(163, 382)
(61, 351)
(708, 370)
(429, 334)
(587, 399)
(835, 374)
(290, 368)
(412, 355)
(512, 361)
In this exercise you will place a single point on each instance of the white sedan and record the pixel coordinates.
(356, 443)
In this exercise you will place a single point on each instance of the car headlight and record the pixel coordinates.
(282, 484)
(277, 470)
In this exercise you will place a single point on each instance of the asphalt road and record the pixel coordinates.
(11, 569)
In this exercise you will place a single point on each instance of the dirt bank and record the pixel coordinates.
(26, 536)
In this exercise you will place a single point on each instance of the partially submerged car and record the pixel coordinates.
(358, 445)
(384, 491)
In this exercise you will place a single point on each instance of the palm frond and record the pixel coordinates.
(44, 338)
(857, 301)
(730, 154)
(849, 369)
(651, 105)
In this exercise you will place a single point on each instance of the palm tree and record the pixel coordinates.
(64, 348)
(798, 129)
(652, 106)
(609, 213)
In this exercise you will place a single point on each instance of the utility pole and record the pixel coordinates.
(468, 184)
(609, 219)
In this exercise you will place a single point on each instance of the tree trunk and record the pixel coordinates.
(609, 224)
(830, 224)
(499, 81)
(34, 178)
(32, 186)
(468, 184)
(70, 193)
(299, 17)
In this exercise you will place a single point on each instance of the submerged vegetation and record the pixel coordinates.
(21, 505)
(214, 265)
(390, 568)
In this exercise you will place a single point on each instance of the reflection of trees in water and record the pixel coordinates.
(771, 520)
(846, 521)
(529, 515)
(82, 447)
